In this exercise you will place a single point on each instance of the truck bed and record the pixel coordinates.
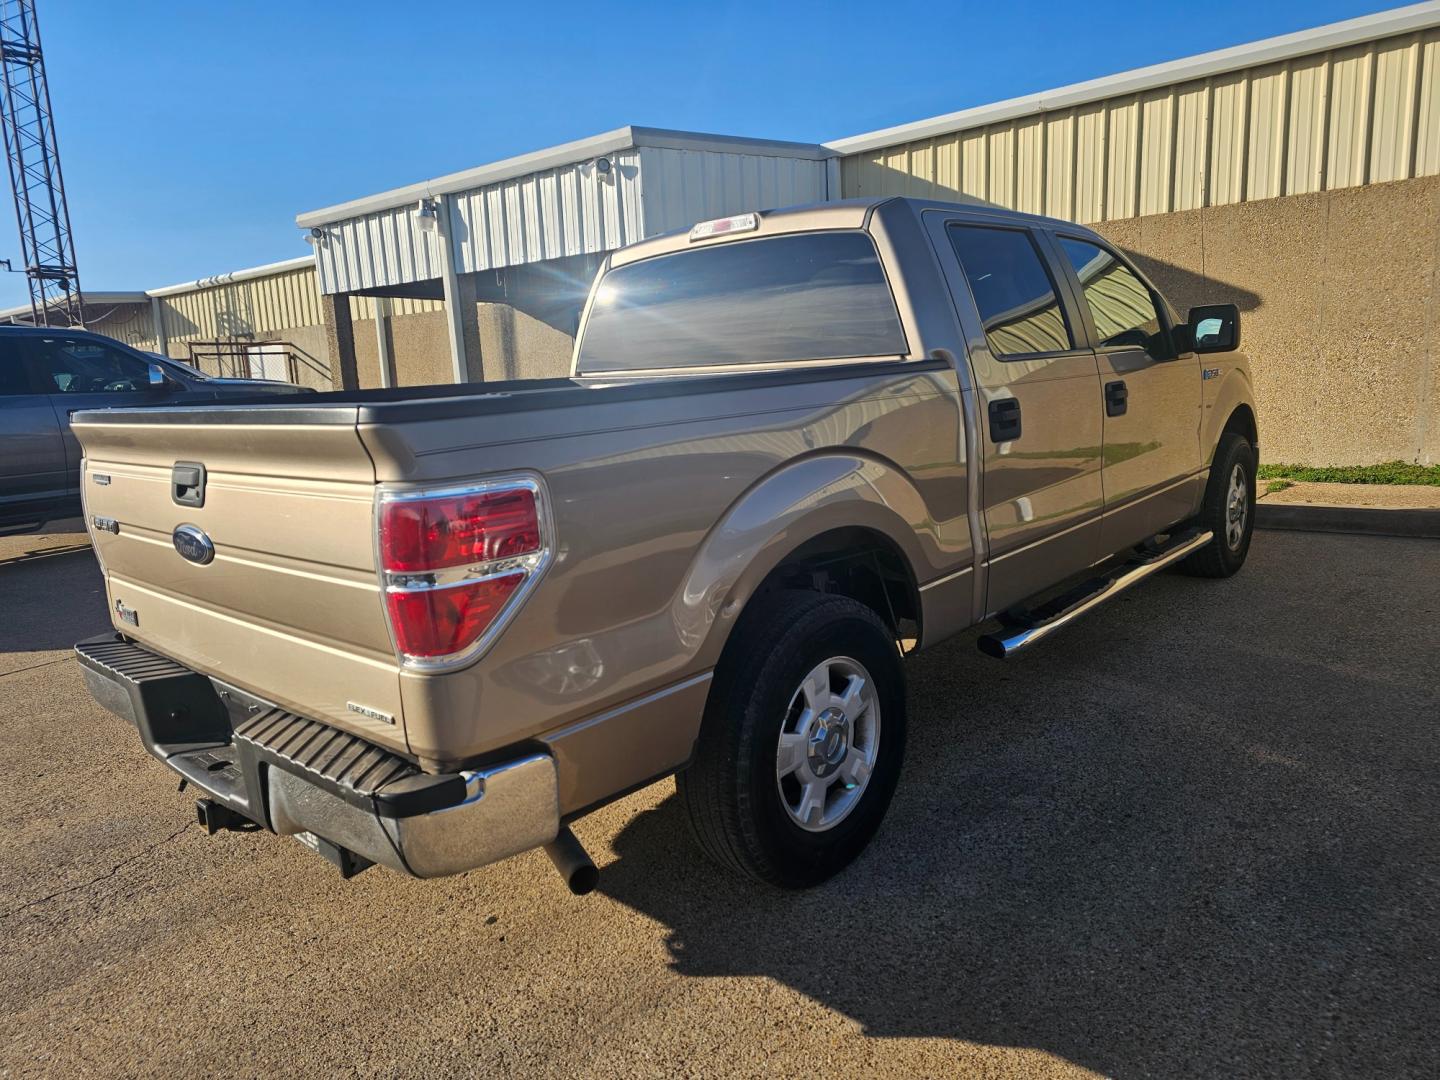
(402, 404)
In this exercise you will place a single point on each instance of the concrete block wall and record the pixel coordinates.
(312, 356)
(513, 345)
(523, 326)
(516, 345)
(1339, 294)
(419, 345)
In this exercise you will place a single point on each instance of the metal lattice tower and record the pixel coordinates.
(34, 157)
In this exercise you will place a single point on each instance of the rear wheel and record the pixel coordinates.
(802, 741)
(1229, 510)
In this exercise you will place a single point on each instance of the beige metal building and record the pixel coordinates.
(1295, 176)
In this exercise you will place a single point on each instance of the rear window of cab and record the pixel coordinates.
(770, 300)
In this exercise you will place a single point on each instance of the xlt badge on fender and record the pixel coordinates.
(192, 544)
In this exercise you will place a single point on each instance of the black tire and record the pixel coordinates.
(1226, 554)
(730, 789)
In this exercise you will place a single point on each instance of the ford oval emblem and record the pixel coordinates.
(192, 544)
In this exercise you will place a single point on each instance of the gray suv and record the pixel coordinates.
(45, 375)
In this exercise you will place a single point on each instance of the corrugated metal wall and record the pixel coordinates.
(361, 307)
(1363, 114)
(565, 211)
(549, 215)
(682, 187)
(129, 323)
(259, 307)
(387, 248)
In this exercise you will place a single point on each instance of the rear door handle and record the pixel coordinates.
(1117, 398)
(1004, 420)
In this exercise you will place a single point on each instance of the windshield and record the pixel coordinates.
(806, 296)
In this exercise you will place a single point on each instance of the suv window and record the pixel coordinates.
(80, 366)
(1121, 305)
(807, 296)
(1012, 289)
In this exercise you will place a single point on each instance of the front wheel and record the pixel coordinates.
(800, 749)
(1229, 510)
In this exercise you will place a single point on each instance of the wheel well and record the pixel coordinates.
(1242, 422)
(857, 562)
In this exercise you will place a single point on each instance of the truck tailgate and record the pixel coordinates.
(289, 608)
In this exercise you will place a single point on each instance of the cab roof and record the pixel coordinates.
(817, 217)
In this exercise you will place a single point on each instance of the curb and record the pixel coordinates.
(1370, 520)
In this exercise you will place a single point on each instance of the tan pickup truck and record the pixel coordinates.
(430, 627)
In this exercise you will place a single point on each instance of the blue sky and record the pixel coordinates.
(192, 133)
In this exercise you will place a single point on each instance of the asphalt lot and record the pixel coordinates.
(1198, 835)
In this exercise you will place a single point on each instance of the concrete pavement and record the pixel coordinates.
(1197, 835)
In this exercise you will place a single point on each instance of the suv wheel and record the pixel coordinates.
(802, 741)
(1229, 510)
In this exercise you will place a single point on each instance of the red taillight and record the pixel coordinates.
(441, 622)
(458, 530)
(452, 562)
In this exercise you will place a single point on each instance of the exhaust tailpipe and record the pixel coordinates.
(572, 862)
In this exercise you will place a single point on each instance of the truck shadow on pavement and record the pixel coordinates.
(1197, 837)
(50, 599)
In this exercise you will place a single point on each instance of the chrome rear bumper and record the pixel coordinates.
(332, 790)
(507, 809)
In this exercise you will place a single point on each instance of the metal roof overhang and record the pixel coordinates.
(92, 300)
(303, 262)
(579, 151)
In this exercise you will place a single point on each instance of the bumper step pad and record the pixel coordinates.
(340, 762)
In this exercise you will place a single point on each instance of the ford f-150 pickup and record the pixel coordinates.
(430, 627)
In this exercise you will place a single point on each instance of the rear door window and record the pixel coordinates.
(807, 296)
(1013, 291)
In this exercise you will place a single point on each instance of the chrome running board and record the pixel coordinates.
(1020, 631)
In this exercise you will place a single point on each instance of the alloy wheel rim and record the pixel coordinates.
(829, 742)
(1237, 507)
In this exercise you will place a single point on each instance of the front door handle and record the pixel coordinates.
(1117, 398)
(1004, 420)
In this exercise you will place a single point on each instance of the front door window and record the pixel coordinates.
(1122, 307)
(80, 366)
